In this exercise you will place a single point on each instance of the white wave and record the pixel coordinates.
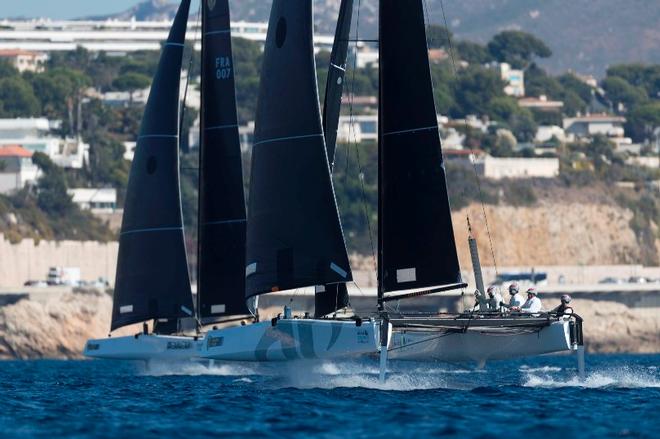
(617, 378)
(197, 369)
(526, 369)
(243, 380)
(394, 382)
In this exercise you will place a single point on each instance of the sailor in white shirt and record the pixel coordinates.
(533, 303)
(494, 298)
(516, 300)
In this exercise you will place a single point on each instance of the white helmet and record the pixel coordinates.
(493, 289)
(514, 288)
(532, 291)
(565, 298)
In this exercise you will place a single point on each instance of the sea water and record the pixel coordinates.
(540, 397)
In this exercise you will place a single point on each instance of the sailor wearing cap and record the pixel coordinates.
(533, 303)
(563, 308)
(494, 298)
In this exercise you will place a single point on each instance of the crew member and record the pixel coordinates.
(563, 308)
(533, 303)
(516, 300)
(494, 298)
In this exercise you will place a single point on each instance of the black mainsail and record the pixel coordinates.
(294, 236)
(152, 280)
(330, 298)
(222, 221)
(416, 239)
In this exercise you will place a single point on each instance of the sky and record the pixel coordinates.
(62, 9)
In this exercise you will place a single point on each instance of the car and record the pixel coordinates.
(611, 280)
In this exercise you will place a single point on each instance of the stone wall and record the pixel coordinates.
(28, 260)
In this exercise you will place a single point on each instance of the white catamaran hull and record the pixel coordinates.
(479, 344)
(291, 339)
(146, 347)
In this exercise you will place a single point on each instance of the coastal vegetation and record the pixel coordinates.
(466, 82)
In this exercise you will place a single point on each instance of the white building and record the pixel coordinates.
(101, 200)
(16, 168)
(514, 78)
(541, 103)
(516, 167)
(35, 135)
(593, 124)
(545, 133)
(24, 60)
(114, 36)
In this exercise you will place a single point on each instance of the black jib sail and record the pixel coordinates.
(152, 272)
(416, 239)
(330, 298)
(294, 237)
(221, 269)
(335, 82)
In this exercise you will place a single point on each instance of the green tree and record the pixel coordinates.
(639, 75)
(17, 98)
(473, 53)
(52, 196)
(619, 91)
(517, 48)
(475, 89)
(438, 36)
(131, 82)
(6, 69)
(643, 120)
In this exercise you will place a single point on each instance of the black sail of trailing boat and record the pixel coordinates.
(416, 239)
(330, 298)
(221, 268)
(152, 280)
(335, 81)
(294, 237)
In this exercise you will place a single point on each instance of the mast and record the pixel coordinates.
(415, 233)
(294, 236)
(222, 218)
(152, 280)
(330, 298)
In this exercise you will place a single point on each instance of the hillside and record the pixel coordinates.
(584, 36)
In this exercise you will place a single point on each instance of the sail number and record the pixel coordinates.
(222, 67)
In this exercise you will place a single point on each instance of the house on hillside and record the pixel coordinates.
(24, 60)
(541, 103)
(96, 200)
(36, 135)
(517, 167)
(16, 168)
(593, 124)
(514, 78)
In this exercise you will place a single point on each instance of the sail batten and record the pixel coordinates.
(416, 239)
(294, 234)
(152, 280)
(222, 218)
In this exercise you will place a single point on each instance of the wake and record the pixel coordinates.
(622, 377)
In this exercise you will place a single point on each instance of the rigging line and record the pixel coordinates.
(190, 65)
(357, 149)
(474, 165)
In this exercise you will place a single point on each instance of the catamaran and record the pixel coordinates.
(416, 246)
(295, 237)
(294, 234)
